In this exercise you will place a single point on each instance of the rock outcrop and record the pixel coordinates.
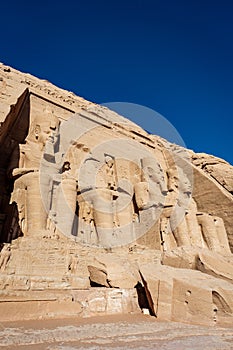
(99, 217)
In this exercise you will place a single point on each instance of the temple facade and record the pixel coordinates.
(97, 215)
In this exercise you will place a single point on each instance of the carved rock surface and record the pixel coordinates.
(217, 168)
(98, 217)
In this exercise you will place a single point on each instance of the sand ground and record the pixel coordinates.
(119, 332)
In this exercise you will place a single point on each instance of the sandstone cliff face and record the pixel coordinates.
(98, 217)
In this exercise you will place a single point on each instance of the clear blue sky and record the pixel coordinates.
(174, 56)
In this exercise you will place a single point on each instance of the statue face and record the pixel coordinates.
(150, 174)
(45, 124)
(66, 166)
(37, 131)
(109, 161)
